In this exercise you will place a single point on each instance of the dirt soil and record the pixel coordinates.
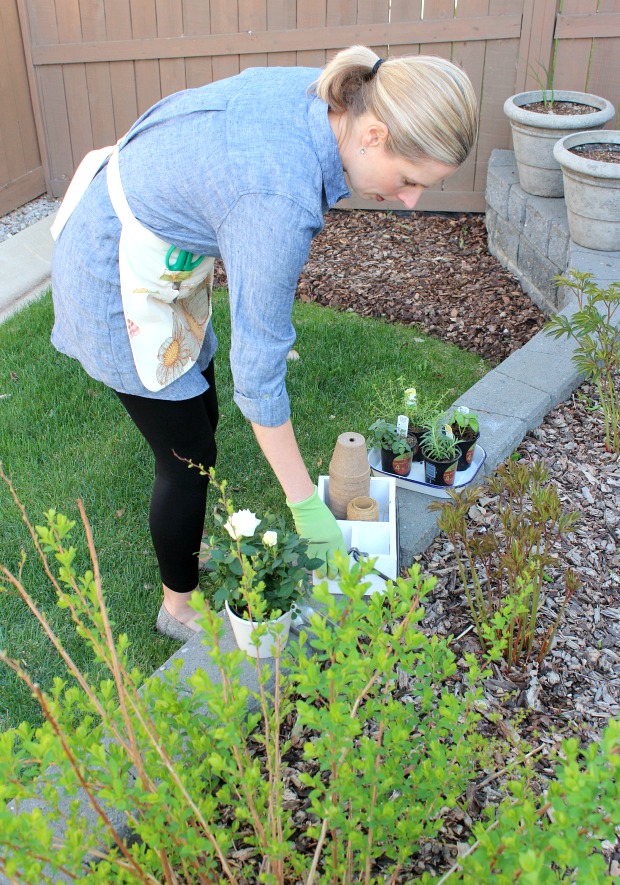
(434, 271)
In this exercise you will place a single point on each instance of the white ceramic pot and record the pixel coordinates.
(535, 135)
(591, 191)
(244, 631)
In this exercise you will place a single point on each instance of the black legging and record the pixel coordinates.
(179, 499)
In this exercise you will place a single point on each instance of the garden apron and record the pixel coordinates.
(166, 310)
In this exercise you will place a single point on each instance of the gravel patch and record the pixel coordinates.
(25, 215)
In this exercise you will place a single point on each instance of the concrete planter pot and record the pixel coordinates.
(591, 191)
(535, 135)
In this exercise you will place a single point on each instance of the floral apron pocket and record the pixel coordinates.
(166, 309)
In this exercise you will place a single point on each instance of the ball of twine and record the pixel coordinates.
(363, 509)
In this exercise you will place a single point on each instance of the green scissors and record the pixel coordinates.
(184, 261)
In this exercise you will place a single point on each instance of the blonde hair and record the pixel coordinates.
(427, 103)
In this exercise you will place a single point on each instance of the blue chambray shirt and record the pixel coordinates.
(243, 170)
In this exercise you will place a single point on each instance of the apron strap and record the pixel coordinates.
(84, 174)
(117, 194)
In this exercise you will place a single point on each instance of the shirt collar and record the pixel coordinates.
(326, 148)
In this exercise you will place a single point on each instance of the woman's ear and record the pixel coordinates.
(375, 134)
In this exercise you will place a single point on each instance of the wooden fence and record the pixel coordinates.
(95, 65)
(21, 170)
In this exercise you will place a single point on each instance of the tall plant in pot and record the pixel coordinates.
(420, 411)
(465, 428)
(440, 452)
(259, 570)
(538, 119)
(395, 449)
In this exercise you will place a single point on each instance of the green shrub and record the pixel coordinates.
(503, 571)
(596, 330)
(196, 767)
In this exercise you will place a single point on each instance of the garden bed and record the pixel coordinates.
(429, 270)
(434, 271)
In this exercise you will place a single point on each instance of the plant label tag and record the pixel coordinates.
(402, 425)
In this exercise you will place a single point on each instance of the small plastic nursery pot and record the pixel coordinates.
(399, 465)
(535, 134)
(466, 448)
(244, 633)
(414, 438)
(591, 191)
(440, 473)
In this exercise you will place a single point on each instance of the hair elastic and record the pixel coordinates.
(376, 66)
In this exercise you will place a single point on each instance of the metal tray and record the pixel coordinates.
(415, 478)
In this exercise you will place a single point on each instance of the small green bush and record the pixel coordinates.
(199, 779)
(596, 330)
(503, 571)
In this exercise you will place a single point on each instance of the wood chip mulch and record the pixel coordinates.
(427, 270)
(434, 271)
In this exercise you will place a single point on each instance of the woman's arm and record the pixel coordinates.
(279, 447)
(313, 518)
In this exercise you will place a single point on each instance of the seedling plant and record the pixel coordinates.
(595, 327)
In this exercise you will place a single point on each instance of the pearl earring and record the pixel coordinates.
(362, 150)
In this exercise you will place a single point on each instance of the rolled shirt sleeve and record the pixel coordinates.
(264, 242)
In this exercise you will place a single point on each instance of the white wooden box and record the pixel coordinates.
(376, 540)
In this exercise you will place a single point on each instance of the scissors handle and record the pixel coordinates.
(184, 261)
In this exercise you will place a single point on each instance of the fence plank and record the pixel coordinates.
(374, 12)
(470, 56)
(50, 85)
(224, 20)
(438, 10)
(499, 83)
(253, 18)
(170, 24)
(17, 133)
(197, 21)
(226, 43)
(98, 83)
(122, 78)
(406, 11)
(311, 14)
(605, 66)
(147, 73)
(588, 26)
(281, 16)
(572, 58)
(75, 83)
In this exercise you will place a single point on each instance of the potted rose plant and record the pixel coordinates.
(259, 569)
(465, 428)
(440, 452)
(395, 450)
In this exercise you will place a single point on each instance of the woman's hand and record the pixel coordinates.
(316, 523)
(313, 519)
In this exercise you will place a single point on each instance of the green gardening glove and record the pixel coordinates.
(315, 522)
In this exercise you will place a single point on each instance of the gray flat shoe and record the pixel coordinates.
(173, 629)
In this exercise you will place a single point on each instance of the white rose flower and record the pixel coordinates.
(462, 409)
(270, 539)
(242, 524)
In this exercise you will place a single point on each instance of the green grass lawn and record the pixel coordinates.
(64, 437)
